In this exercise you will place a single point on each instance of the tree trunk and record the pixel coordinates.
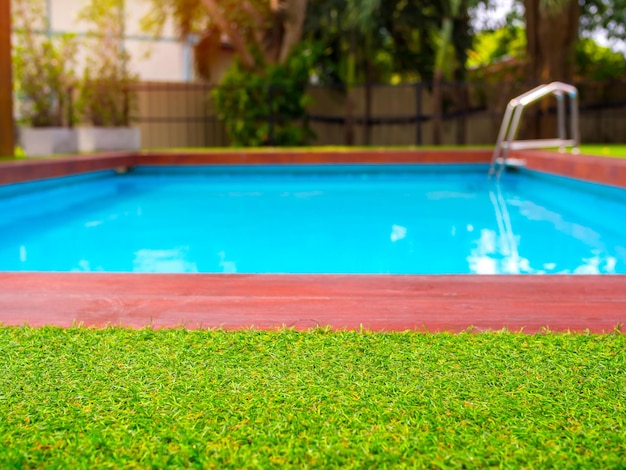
(350, 78)
(461, 42)
(224, 25)
(294, 19)
(349, 122)
(275, 36)
(437, 115)
(462, 100)
(445, 35)
(551, 36)
(369, 89)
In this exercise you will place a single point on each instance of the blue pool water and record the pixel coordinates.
(314, 219)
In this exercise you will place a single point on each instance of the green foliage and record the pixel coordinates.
(187, 16)
(617, 151)
(267, 106)
(122, 398)
(106, 97)
(259, 31)
(492, 49)
(493, 46)
(595, 62)
(553, 6)
(608, 16)
(43, 67)
(381, 41)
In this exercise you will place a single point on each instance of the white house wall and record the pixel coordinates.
(164, 59)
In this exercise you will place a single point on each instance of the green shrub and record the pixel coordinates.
(106, 96)
(107, 99)
(595, 62)
(266, 106)
(43, 68)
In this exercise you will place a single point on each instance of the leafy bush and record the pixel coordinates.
(595, 62)
(43, 67)
(268, 106)
(106, 98)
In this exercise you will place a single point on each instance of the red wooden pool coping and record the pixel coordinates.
(376, 302)
(605, 170)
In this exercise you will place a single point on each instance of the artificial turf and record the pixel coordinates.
(606, 150)
(122, 398)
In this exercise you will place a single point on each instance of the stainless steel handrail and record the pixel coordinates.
(512, 117)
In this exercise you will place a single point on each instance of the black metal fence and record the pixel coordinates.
(177, 115)
(183, 115)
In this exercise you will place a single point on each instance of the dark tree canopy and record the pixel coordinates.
(397, 39)
(553, 28)
(385, 40)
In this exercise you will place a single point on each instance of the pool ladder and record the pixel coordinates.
(513, 114)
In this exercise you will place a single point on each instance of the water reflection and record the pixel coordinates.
(398, 232)
(497, 254)
(163, 261)
(596, 264)
(498, 251)
(229, 267)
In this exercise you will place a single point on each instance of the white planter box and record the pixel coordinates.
(41, 141)
(91, 139)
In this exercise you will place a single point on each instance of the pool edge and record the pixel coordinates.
(391, 302)
(452, 303)
(604, 170)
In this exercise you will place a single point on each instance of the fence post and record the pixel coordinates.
(462, 98)
(70, 107)
(7, 130)
(270, 137)
(418, 113)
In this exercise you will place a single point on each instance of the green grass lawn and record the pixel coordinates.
(120, 398)
(611, 150)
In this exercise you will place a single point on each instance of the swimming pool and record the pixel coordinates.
(397, 219)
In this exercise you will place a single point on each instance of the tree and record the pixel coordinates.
(595, 62)
(592, 61)
(553, 28)
(261, 99)
(261, 31)
(551, 34)
(606, 16)
(400, 44)
(454, 13)
(492, 46)
(352, 35)
(373, 41)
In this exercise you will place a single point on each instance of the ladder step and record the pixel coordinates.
(512, 162)
(510, 124)
(538, 143)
